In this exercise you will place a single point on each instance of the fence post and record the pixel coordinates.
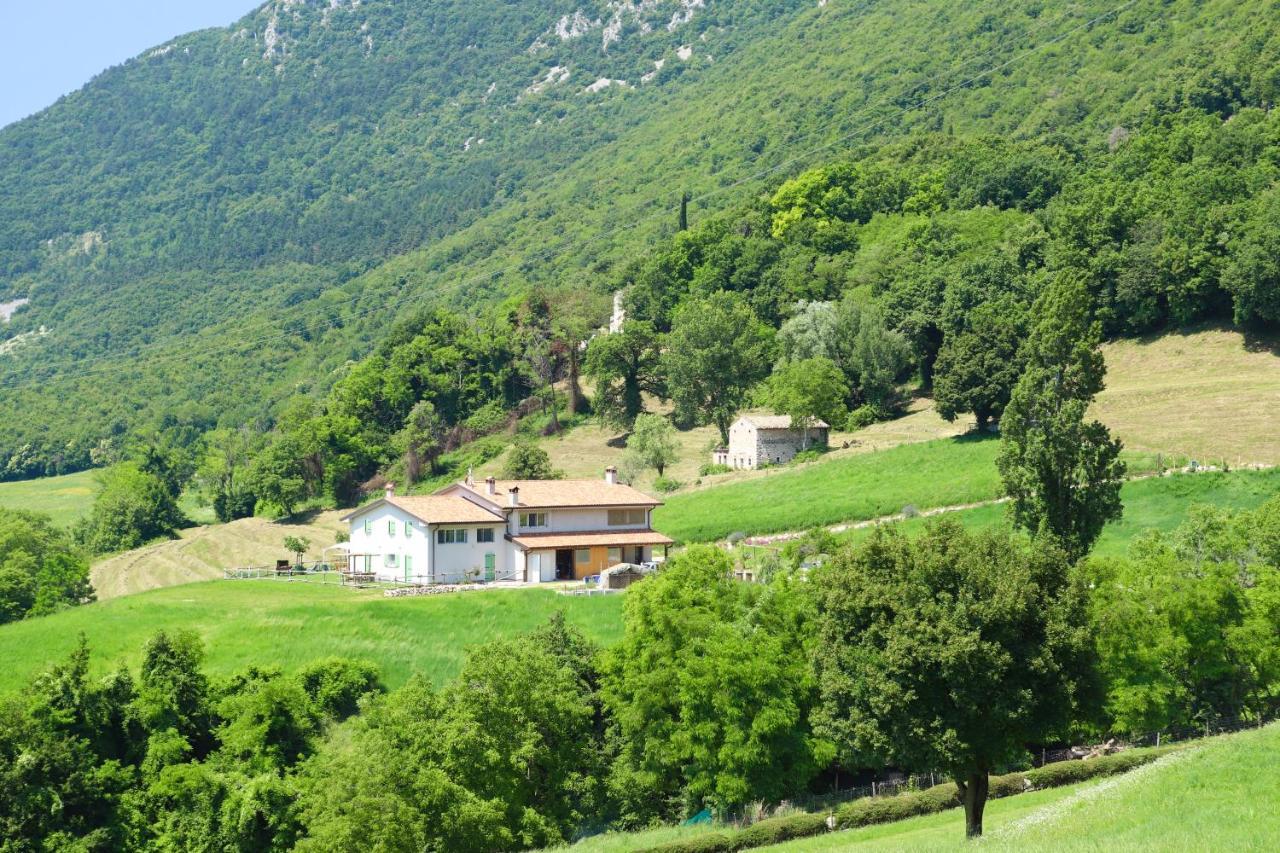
(873, 787)
(1157, 739)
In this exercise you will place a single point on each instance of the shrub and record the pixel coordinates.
(489, 418)
(1069, 772)
(873, 810)
(863, 417)
(1008, 785)
(335, 685)
(712, 842)
(667, 484)
(806, 456)
(713, 468)
(779, 829)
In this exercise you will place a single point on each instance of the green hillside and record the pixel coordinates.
(244, 623)
(263, 200)
(64, 499)
(1215, 796)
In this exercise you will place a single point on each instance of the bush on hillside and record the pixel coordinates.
(713, 468)
(779, 829)
(863, 417)
(667, 484)
(712, 842)
(336, 685)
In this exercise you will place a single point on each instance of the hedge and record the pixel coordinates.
(874, 810)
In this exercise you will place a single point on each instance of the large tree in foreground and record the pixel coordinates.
(951, 652)
(1063, 473)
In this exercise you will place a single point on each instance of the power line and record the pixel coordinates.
(435, 296)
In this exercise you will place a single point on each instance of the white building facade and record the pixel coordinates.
(530, 531)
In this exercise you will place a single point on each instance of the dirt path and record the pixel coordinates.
(773, 538)
(1062, 809)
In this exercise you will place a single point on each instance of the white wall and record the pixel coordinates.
(379, 543)
(571, 520)
(451, 562)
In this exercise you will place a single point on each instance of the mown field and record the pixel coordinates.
(65, 499)
(201, 553)
(291, 623)
(1217, 795)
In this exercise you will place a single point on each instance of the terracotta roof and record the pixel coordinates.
(436, 509)
(778, 422)
(586, 540)
(538, 494)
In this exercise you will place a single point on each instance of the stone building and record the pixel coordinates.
(759, 440)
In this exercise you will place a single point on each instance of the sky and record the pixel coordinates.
(51, 47)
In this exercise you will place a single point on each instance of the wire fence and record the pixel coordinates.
(900, 783)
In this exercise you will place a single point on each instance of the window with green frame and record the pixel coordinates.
(391, 527)
(368, 526)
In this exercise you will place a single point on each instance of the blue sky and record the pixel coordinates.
(51, 47)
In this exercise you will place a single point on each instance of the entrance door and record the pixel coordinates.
(564, 564)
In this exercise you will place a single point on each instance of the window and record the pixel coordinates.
(615, 556)
(368, 527)
(408, 566)
(391, 561)
(408, 529)
(484, 534)
(533, 519)
(582, 556)
(368, 563)
(451, 537)
(626, 517)
(391, 527)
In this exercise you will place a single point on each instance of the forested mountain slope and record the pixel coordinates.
(230, 218)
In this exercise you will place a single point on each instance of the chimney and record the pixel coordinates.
(491, 486)
(611, 475)
(514, 494)
(390, 490)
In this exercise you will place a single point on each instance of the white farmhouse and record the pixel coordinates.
(522, 530)
(759, 440)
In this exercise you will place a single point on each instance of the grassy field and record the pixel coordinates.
(1218, 796)
(65, 498)
(201, 553)
(1208, 394)
(827, 491)
(1159, 503)
(291, 623)
(588, 448)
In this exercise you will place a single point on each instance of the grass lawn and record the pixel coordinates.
(1218, 796)
(1159, 503)
(829, 491)
(292, 623)
(65, 498)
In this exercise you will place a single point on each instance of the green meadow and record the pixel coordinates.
(829, 491)
(65, 498)
(1159, 503)
(1217, 796)
(290, 623)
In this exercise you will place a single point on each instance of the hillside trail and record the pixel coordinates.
(1063, 809)
(787, 536)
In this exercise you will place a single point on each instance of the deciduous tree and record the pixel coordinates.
(950, 652)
